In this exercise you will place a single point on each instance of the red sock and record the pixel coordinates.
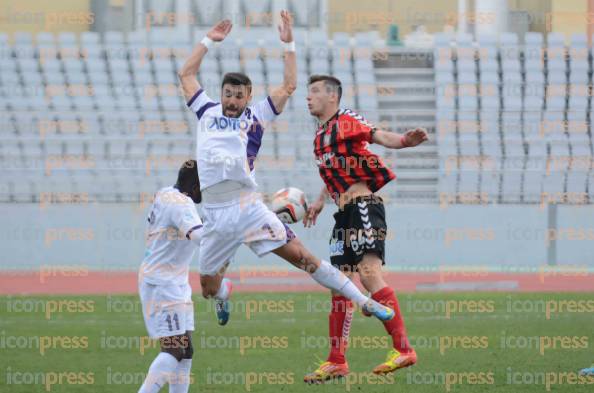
(395, 326)
(339, 319)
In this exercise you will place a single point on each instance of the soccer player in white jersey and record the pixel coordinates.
(228, 137)
(174, 230)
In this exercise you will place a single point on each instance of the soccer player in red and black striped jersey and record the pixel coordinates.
(352, 174)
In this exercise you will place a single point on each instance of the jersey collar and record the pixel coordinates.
(323, 126)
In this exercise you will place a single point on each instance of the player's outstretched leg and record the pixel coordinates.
(330, 277)
(220, 289)
(222, 301)
(402, 354)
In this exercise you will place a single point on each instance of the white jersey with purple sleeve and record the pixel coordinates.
(226, 147)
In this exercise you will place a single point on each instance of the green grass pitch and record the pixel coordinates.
(474, 342)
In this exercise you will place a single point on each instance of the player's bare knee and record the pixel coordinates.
(209, 286)
(372, 279)
(366, 281)
(209, 291)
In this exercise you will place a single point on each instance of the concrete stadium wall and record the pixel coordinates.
(53, 16)
(562, 16)
(111, 236)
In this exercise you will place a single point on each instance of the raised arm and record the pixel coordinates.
(187, 74)
(281, 94)
(393, 140)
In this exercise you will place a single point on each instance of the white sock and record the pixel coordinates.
(159, 373)
(223, 292)
(332, 278)
(180, 382)
(351, 291)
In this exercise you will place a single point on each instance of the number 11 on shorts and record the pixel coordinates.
(175, 319)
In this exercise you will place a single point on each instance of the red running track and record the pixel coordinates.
(97, 282)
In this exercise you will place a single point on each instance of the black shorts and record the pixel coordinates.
(360, 229)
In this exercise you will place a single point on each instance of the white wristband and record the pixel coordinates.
(289, 46)
(207, 42)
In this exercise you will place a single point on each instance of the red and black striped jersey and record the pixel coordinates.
(342, 156)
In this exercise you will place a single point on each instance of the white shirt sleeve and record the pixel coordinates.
(196, 236)
(185, 217)
(200, 102)
(264, 110)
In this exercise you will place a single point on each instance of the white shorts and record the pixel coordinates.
(228, 225)
(168, 310)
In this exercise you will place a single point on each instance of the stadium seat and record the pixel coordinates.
(578, 97)
(580, 143)
(555, 40)
(513, 145)
(89, 38)
(508, 39)
(532, 122)
(121, 79)
(467, 102)
(439, 40)
(61, 102)
(113, 37)
(469, 182)
(579, 67)
(533, 39)
(537, 148)
(490, 184)
(579, 40)
(466, 66)
(137, 38)
(8, 64)
(554, 182)
(341, 40)
(84, 103)
(469, 145)
(23, 37)
(117, 66)
(76, 77)
(67, 39)
(577, 180)
(319, 65)
(90, 123)
(558, 146)
(98, 78)
(556, 97)
(553, 123)
(27, 66)
(511, 186)
(533, 183)
(463, 40)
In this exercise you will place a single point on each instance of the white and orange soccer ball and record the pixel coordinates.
(289, 204)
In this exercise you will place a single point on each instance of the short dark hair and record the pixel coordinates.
(329, 81)
(237, 79)
(188, 180)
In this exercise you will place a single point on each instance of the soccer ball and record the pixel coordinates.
(289, 204)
